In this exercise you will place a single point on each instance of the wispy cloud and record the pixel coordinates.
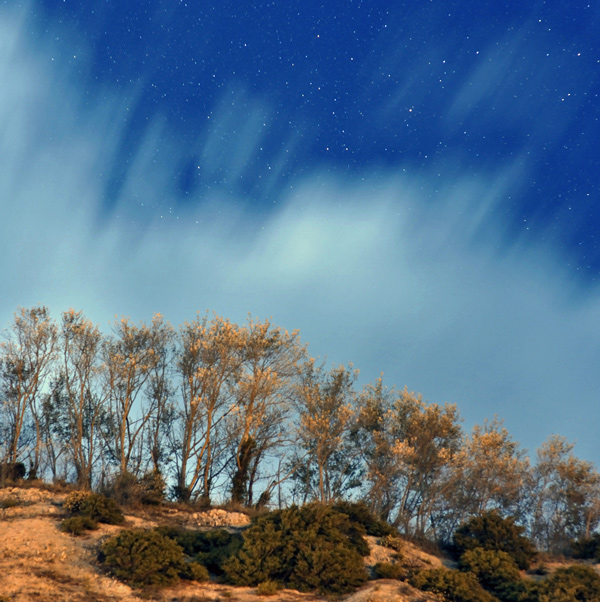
(367, 268)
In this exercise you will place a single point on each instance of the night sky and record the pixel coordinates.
(415, 186)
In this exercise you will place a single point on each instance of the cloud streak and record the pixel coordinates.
(369, 269)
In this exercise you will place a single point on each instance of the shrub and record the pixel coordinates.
(210, 548)
(394, 543)
(453, 585)
(73, 501)
(588, 547)
(194, 571)
(10, 502)
(389, 570)
(102, 509)
(576, 583)
(494, 569)
(95, 506)
(492, 532)
(143, 558)
(11, 472)
(267, 588)
(77, 525)
(359, 513)
(307, 548)
(153, 487)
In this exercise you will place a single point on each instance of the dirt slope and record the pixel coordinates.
(41, 563)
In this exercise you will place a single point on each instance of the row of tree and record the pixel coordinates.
(224, 411)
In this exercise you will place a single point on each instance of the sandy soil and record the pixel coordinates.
(38, 562)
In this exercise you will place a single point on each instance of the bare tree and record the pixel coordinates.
(409, 447)
(259, 427)
(325, 402)
(130, 357)
(26, 360)
(209, 362)
(82, 384)
(566, 496)
(490, 472)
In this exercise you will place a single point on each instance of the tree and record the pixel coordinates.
(489, 472)
(375, 439)
(259, 425)
(84, 394)
(566, 496)
(130, 357)
(326, 417)
(209, 362)
(25, 362)
(409, 448)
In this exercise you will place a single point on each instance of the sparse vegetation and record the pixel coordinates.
(239, 415)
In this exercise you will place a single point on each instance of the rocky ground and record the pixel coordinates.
(39, 562)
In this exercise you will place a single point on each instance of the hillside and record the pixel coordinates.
(40, 562)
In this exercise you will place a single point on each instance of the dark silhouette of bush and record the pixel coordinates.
(77, 525)
(194, 571)
(359, 513)
(492, 532)
(210, 548)
(576, 583)
(152, 488)
(12, 472)
(389, 570)
(307, 548)
(587, 548)
(454, 586)
(143, 558)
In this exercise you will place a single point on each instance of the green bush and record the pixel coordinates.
(267, 588)
(77, 525)
(389, 570)
(210, 548)
(308, 548)
(102, 509)
(394, 543)
(492, 532)
(494, 569)
(454, 586)
(94, 506)
(359, 513)
(73, 501)
(576, 583)
(194, 571)
(143, 558)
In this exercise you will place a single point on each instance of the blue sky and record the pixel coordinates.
(415, 188)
